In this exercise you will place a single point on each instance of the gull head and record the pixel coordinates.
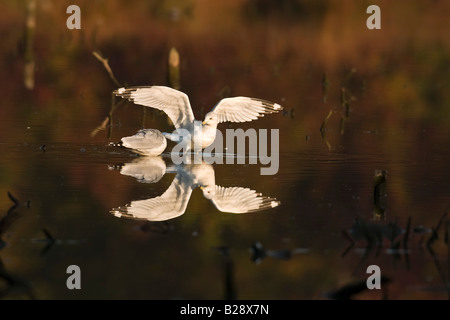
(208, 191)
(210, 119)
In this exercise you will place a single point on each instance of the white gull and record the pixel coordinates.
(178, 108)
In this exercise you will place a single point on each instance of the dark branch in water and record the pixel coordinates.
(434, 232)
(8, 219)
(14, 200)
(431, 240)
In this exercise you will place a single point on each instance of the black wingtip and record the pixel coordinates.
(270, 107)
(127, 91)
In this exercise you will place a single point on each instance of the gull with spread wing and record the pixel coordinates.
(173, 202)
(178, 108)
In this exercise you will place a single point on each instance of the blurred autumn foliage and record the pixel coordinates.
(276, 50)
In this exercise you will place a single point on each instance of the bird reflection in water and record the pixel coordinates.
(173, 202)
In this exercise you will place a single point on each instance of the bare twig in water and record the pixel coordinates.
(346, 97)
(107, 67)
(434, 232)
(323, 128)
(342, 125)
(101, 127)
(325, 121)
(431, 240)
(10, 215)
(108, 120)
(8, 219)
(14, 200)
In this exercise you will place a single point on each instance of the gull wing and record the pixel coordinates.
(242, 109)
(173, 102)
(171, 204)
(241, 200)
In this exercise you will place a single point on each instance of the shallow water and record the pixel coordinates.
(67, 181)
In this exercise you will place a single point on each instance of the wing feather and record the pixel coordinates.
(173, 102)
(171, 204)
(241, 200)
(242, 109)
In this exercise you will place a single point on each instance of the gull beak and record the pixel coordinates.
(203, 123)
(202, 187)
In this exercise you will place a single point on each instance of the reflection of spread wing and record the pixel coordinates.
(171, 204)
(241, 200)
(242, 109)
